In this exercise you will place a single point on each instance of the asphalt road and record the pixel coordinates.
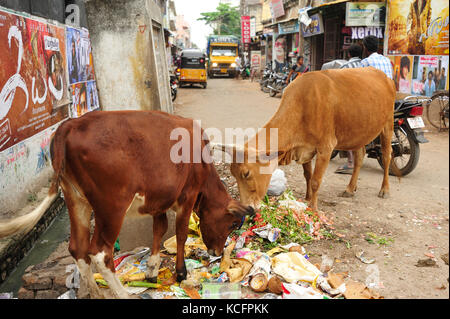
(414, 220)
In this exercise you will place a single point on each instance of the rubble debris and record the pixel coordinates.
(428, 262)
(444, 257)
(264, 259)
(365, 260)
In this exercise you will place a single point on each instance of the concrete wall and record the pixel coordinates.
(24, 169)
(125, 56)
(132, 73)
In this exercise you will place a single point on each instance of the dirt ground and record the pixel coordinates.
(409, 226)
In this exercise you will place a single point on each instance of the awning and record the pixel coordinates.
(316, 9)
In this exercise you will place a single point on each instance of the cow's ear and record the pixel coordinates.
(266, 156)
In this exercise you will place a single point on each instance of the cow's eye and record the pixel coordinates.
(246, 174)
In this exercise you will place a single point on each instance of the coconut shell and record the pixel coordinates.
(275, 285)
(296, 248)
(259, 283)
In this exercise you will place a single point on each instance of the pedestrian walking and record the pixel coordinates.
(355, 52)
(375, 59)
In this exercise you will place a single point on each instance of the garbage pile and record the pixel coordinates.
(263, 259)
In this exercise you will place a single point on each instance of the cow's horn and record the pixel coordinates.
(228, 148)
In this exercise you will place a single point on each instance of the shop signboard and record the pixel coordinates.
(277, 8)
(315, 27)
(245, 27)
(288, 27)
(359, 33)
(370, 14)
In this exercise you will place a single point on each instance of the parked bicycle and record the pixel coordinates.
(438, 110)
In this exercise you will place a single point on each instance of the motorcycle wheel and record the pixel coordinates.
(406, 152)
(334, 154)
(272, 92)
(174, 95)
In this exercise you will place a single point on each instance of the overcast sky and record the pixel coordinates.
(191, 10)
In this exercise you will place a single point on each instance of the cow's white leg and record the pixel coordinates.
(87, 277)
(111, 278)
(153, 263)
(160, 225)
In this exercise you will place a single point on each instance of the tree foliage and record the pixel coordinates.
(225, 20)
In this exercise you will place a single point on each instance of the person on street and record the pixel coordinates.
(355, 52)
(375, 59)
(298, 69)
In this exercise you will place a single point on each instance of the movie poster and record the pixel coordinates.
(79, 56)
(33, 80)
(84, 98)
(420, 75)
(81, 72)
(418, 27)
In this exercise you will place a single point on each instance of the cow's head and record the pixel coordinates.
(252, 170)
(217, 221)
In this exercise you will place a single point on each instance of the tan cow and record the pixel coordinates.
(319, 112)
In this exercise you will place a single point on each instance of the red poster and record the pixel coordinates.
(245, 21)
(34, 92)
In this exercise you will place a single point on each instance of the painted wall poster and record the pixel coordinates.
(79, 56)
(420, 75)
(418, 27)
(279, 52)
(33, 80)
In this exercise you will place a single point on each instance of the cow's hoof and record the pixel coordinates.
(346, 194)
(181, 275)
(383, 194)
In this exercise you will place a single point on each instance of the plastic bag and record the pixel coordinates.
(293, 291)
(277, 183)
(293, 267)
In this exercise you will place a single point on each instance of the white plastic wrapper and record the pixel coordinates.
(277, 183)
(268, 232)
(294, 205)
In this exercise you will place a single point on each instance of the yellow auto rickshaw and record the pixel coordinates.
(193, 68)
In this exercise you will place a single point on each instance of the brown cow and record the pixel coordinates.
(118, 163)
(319, 112)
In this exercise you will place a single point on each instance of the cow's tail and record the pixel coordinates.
(395, 170)
(26, 223)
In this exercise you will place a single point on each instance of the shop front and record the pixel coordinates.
(335, 25)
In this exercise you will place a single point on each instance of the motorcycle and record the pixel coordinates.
(244, 71)
(173, 87)
(408, 134)
(266, 74)
(278, 84)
